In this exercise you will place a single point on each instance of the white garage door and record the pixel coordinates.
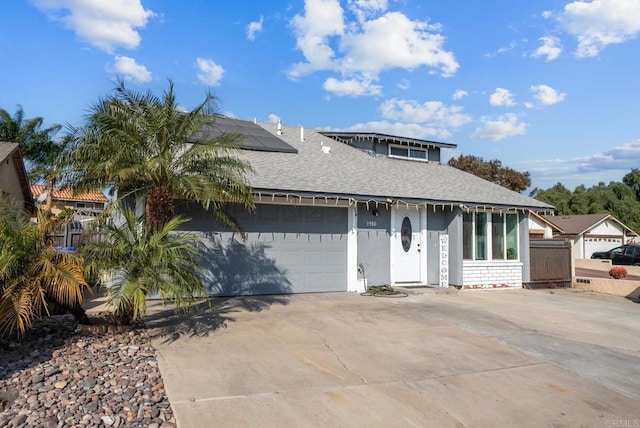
(594, 243)
(288, 249)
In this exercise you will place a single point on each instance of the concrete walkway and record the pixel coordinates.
(469, 359)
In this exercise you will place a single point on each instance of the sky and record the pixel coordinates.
(548, 86)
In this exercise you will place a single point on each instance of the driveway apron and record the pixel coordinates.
(474, 358)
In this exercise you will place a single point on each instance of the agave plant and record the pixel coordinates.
(33, 274)
(144, 261)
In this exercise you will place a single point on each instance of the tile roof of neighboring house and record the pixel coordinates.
(580, 223)
(67, 194)
(351, 172)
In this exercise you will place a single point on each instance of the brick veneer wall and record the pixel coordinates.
(492, 275)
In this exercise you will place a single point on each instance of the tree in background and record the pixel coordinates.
(620, 199)
(144, 146)
(632, 180)
(45, 155)
(51, 166)
(558, 196)
(492, 171)
(34, 140)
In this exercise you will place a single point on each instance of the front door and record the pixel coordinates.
(407, 245)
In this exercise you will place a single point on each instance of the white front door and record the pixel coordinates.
(407, 245)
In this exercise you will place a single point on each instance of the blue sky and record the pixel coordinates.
(549, 87)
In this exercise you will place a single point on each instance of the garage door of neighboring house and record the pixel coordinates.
(595, 243)
(288, 249)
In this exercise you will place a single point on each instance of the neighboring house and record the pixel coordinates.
(14, 183)
(336, 209)
(589, 233)
(84, 206)
(541, 228)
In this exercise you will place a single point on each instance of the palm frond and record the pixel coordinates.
(32, 272)
(145, 262)
(138, 142)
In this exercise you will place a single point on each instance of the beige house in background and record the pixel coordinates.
(14, 183)
(589, 233)
(541, 228)
(85, 207)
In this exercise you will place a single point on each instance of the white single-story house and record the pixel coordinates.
(541, 228)
(338, 210)
(14, 183)
(589, 233)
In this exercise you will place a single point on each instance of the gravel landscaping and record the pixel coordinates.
(62, 374)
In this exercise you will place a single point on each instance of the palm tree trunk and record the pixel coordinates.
(79, 313)
(49, 202)
(159, 207)
(74, 309)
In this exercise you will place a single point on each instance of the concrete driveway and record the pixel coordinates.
(470, 359)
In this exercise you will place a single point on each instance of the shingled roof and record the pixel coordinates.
(344, 170)
(581, 223)
(68, 194)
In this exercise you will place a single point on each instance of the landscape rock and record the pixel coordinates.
(67, 375)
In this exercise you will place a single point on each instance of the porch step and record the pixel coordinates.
(419, 290)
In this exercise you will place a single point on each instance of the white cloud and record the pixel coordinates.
(546, 95)
(501, 97)
(583, 169)
(460, 94)
(511, 46)
(130, 69)
(409, 130)
(360, 50)
(623, 157)
(321, 20)
(395, 41)
(409, 118)
(432, 113)
(550, 48)
(210, 73)
(502, 127)
(547, 14)
(404, 84)
(103, 24)
(274, 118)
(364, 8)
(599, 23)
(254, 27)
(351, 87)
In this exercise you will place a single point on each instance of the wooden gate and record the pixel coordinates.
(550, 263)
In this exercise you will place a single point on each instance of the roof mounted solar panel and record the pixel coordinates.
(254, 137)
(348, 136)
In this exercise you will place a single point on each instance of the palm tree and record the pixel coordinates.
(144, 261)
(51, 167)
(144, 146)
(28, 133)
(33, 274)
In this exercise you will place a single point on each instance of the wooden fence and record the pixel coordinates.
(550, 263)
